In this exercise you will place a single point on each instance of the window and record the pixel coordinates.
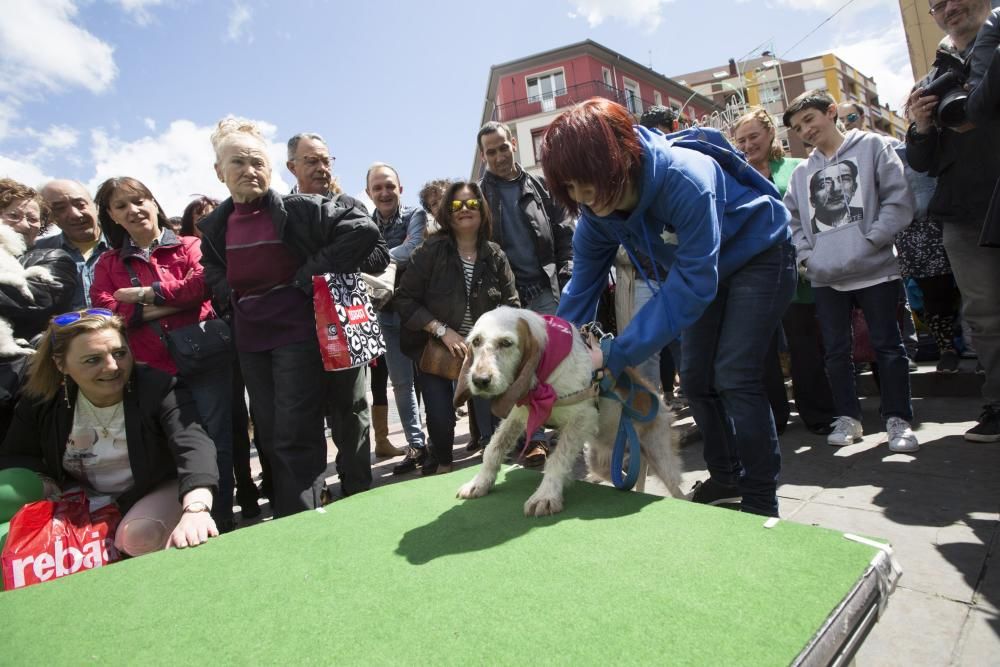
(606, 73)
(816, 84)
(657, 98)
(536, 143)
(632, 99)
(544, 89)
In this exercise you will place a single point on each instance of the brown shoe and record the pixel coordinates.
(536, 453)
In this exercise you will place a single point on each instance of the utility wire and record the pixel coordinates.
(822, 23)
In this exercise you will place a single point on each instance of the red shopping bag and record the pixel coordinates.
(348, 331)
(51, 539)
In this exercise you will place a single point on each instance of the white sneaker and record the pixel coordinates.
(846, 431)
(901, 438)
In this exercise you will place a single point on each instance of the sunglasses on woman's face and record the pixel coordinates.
(69, 318)
(852, 118)
(458, 204)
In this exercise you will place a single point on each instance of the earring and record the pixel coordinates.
(65, 390)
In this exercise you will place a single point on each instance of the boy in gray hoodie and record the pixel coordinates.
(848, 201)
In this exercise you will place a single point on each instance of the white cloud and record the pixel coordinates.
(174, 164)
(58, 137)
(139, 9)
(882, 56)
(149, 123)
(23, 171)
(44, 51)
(833, 5)
(637, 13)
(239, 17)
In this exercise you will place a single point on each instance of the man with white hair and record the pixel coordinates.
(260, 252)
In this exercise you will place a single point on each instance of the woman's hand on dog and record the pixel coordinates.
(454, 343)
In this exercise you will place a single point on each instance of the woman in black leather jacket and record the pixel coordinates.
(451, 280)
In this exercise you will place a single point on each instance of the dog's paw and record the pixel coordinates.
(477, 488)
(543, 505)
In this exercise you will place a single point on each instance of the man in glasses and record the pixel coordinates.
(348, 414)
(967, 165)
(310, 162)
(533, 230)
(73, 211)
(852, 115)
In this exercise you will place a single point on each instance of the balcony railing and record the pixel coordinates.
(565, 97)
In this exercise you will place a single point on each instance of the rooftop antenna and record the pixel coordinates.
(651, 59)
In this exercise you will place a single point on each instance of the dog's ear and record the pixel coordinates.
(531, 354)
(462, 393)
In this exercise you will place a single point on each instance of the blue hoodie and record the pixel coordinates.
(695, 218)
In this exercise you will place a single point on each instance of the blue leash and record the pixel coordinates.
(626, 430)
(627, 435)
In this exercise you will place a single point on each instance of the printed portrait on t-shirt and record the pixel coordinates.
(834, 196)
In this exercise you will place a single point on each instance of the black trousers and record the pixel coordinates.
(287, 387)
(349, 419)
(810, 386)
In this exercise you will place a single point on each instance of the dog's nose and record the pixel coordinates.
(481, 381)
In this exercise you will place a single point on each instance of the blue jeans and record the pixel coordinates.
(213, 395)
(879, 303)
(438, 393)
(722, 374)
(401, 376)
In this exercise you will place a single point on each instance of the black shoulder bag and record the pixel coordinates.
(197, 348)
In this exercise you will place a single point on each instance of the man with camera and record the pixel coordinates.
(966, 163)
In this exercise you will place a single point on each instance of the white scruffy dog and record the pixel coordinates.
(505, 346)
(14, 275)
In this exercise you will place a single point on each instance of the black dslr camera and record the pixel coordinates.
(948, 85)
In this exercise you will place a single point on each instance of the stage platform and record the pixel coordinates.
(408, 574)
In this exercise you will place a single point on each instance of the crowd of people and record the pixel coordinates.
(138, 351)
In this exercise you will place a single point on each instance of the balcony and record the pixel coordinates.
(566, 97)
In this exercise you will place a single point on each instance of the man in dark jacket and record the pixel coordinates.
(967, 166)
(534, 231)
(260, 251)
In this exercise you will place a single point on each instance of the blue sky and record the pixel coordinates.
(96, 88)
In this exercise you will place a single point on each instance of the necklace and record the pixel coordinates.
(105, 427)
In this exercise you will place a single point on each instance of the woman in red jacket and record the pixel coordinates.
(153, 280)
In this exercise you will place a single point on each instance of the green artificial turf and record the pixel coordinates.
(408, 574)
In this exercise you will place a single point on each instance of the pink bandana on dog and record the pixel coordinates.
(541, 398)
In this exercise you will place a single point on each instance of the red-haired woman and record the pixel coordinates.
(721, 231)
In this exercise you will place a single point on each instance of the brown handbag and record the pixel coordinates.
(436, 359)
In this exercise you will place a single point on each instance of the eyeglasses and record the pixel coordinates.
(313, 161)
(15, 217)
(852, 117)
(69, 318)
(939, 7)
(471, 204)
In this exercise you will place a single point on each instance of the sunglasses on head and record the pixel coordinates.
(471, 204)
(69, 318)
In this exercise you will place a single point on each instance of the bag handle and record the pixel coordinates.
(153, 324)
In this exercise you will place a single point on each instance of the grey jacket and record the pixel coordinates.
(847, 210)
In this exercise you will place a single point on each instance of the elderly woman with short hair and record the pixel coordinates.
(260, 252)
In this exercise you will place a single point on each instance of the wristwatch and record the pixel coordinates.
(196, 507)
(440, 330)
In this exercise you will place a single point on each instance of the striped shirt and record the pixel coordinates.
(467, 268)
